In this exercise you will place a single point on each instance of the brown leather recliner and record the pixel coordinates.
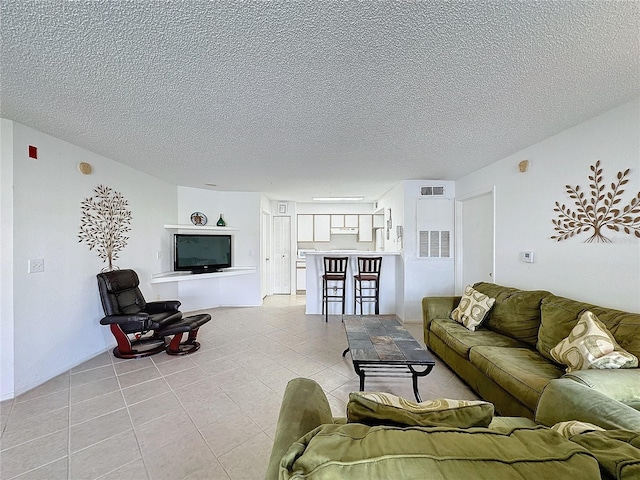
(141, 327)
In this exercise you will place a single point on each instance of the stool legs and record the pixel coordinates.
(338, 285)
(359, 297)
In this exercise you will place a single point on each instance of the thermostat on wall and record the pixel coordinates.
(527, 257)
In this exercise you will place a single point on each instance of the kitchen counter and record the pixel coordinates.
(388, 283)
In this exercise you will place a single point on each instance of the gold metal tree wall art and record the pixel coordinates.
(598, 211)
(104, 223)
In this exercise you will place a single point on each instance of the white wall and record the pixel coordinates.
(423, 276)
(606, 274)
(6, 255)
(394, 200)
(415, 277)
(56, 313)
(241, 211)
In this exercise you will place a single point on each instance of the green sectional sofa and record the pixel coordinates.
(310, 444)
(507, 360)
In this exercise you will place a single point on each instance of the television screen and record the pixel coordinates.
(202, 253)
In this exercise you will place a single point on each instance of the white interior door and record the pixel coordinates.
(475, 252)
(265, 259)
(281, 260)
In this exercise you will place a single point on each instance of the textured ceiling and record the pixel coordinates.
(301, 99)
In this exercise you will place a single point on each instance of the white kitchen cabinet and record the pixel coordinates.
(351, 221)
(365, 228)
(337, 221)
(305, 228)
(378, 221)
(322, 228)
(301, 277)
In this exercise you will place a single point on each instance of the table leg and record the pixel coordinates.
(414, 378)
(360, 373)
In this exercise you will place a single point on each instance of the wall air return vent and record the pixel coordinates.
(435, 244)
(432, 191)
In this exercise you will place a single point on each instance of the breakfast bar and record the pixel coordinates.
(388, 282)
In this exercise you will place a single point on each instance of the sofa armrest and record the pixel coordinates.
(304, 407)
(436, 307)
(622, 384)
(564, 399)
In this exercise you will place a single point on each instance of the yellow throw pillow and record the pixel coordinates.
(472, 309)
(591, 346)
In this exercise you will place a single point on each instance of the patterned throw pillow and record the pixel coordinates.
(375, 408)
(591, 345)
(472, 309)
(574, 427)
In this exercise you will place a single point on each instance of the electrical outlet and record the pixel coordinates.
(36, 265)
(159, 254)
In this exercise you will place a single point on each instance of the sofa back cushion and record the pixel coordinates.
(560, 315)
(381, 453)
(515, 313)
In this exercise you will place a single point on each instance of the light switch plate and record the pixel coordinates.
(527, 257)
(36, 265)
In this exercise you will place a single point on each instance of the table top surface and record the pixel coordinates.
(380, 339)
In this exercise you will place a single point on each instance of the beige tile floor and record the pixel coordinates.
(208, 415)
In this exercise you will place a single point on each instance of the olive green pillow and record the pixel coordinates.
(375, 408)
(473, 308)
(591, 345)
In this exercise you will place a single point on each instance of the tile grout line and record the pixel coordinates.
(133, 428)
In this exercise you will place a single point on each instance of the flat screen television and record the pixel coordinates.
(201, 253)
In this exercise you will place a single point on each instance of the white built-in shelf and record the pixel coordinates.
(168, 277)
(200, 227)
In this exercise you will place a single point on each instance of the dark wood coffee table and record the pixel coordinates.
(382, 347)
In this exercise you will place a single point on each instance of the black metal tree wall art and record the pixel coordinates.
(105, 221)
(598, 211)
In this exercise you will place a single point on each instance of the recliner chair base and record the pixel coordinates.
(142, 347)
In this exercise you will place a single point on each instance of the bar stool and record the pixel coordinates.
(366, 284)
(335, 272)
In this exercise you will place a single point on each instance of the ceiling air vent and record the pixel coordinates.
(434, 191)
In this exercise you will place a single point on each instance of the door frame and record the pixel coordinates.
(265, 256)
(458, 253)
(287, 241)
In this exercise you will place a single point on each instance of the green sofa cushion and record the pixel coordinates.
(560, 315)
(617, 451)
(461, 340)
(372, 408)
(383, 452)
(520, 371)
(516, 313)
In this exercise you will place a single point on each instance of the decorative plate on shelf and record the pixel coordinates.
(198, 218)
